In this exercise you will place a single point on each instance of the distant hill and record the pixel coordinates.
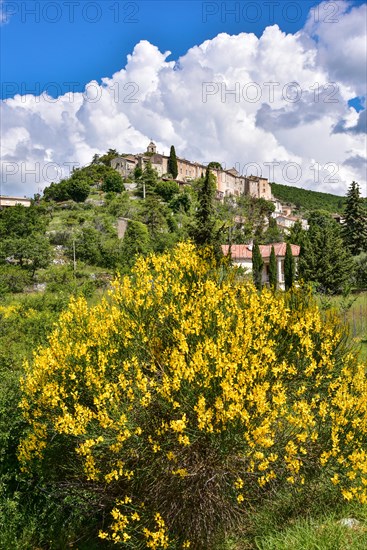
(303, 199)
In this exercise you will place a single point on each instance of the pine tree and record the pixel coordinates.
(355, 227)
(324, 259)
(289, 268)
(257, 266)
(172, 163)
(273, 269)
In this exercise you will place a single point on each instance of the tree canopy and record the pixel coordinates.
(355, 224)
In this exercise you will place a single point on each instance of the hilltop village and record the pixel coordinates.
(229, 182)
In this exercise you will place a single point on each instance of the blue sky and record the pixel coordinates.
(49, 44)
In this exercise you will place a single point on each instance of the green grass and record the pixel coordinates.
(353, 311)
(311, 535)
(318, 531)
(363, 352)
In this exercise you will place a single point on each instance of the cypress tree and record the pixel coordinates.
(172, 163)
(203, 231)
(355, 227)
(273, 269)
(289, 268)
(257, 266)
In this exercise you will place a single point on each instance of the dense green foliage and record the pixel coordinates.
(289, 268)
(149, 180)
(204, 230)
(167, 189)
(355, 224)
(215, 165)
(306, 200)
(112, 182)
(257, 266)
(24, 248)
(172, 163)
(324, 259)
(273, 278)
(273, 234)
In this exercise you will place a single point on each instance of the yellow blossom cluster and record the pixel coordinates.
(182, 353)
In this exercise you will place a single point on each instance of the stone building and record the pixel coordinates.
(5, 202)
(229, 182)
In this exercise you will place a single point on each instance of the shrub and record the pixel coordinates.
(186, 396)
(167, 189)
(13, 279)
(360, 271)
(112, 182)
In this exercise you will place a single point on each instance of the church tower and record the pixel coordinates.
(152, 148)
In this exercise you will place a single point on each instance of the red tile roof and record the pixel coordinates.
(244, 251)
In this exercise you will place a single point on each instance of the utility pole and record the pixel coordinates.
(74, 256)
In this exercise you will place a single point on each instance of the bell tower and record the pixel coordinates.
(152, 148)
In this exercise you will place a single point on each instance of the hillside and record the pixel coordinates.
(304, 199)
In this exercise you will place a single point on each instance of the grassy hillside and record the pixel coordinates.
(304, 199)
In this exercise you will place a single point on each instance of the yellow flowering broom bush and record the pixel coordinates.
(186, 395)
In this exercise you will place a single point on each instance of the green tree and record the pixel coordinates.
(255, 212)
(136, 242)
(204, 230)
(273, 270)
(289, 268)
(19, 221)
(149, 179)
(154, 215)
(215, 165)
(88, 246)
(257, 266)
(78, 187)
(138, 172)
(112, 182)
(273, 234)
(360, 271)
(96, 159)
(181, 201)
(167, 189)
(57, 192)
(31, 253)
(297, 234)
(355, 226)
(107, 157)
(172, 163)
(324, 259)
(13, 279)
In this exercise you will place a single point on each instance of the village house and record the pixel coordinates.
(241, 255)
(287, 222)
(5, 202)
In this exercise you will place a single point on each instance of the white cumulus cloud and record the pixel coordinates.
(276, 104)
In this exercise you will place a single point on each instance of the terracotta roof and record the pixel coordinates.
(244, 252)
